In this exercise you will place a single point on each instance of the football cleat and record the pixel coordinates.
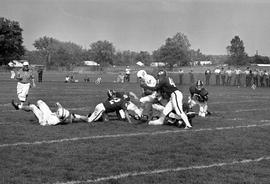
(179, 124)
(188, 127)
(15, 105)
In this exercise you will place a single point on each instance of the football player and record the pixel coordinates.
(46, 117)
(199, 96)
(173, 119)
(118, 105)
(167, 87)
(148, 95)
(25, 78)
(131, 106)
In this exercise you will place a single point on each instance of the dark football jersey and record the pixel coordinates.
(120, 94)
(165, 86)
(202, 93)
(115, 104)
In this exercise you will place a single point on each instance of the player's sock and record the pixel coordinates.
(15, 105)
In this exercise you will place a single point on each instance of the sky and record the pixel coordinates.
(144, 25)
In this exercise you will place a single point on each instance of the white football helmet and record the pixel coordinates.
(141, 73)
(62, 113)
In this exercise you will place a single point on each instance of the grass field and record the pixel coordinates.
(231, 146)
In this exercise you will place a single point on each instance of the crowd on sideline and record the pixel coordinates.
(232, 76)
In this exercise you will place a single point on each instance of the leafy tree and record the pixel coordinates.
(236, 52)
(102, 52)
(175, 51)
(11, 40)
(144, 57)
(260, 59)
(196, 55)
(126, 57)
(47, 46)
(59, 53)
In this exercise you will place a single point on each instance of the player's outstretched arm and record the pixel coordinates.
(33, 83)
(79, 118)
(133, 95)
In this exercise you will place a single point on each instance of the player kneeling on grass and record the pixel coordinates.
(117, 105)
(46, 117)
(199, 96)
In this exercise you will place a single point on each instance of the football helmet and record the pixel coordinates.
(110, 93)
(62, 113)
(161, 73)
(199, 84)
(126, 97)
(141, 73)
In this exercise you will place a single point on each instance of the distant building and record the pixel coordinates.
(194, 63)
(157, 64)
(206, 62)
(91, 63)
(263, 65)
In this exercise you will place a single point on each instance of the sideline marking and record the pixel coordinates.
(160, 171)
(129, 135)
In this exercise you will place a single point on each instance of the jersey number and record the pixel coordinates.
(115, 100)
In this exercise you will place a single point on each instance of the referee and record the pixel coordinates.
(25, 80)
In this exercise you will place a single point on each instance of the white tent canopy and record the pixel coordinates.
(91, 63)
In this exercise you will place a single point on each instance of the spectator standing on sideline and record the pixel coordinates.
(191, 77)
(223, 76)
(248, 77)
(266, 76)
(237, 79)
(120, 78)
(255, 77)
(127, 77)
(25, 80)
(40, 74)
(229, 76)
(261, 73)
(181, 74)
(217, 73)
(207, 76)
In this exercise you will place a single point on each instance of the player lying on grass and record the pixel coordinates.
(172, 118)
(117, 105)
(46, 117)
(166, 86)
(199, 96)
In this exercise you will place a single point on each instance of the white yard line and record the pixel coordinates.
(244, 110)
(233, 102)
(129, 135)
(161, 171)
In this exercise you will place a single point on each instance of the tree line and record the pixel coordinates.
(55, 53)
